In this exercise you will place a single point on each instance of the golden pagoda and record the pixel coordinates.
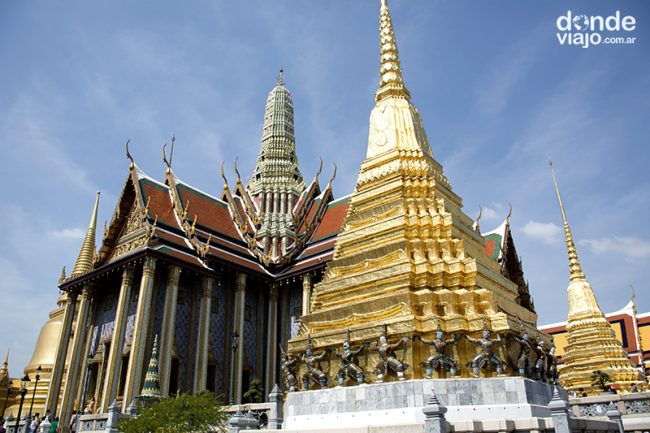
(407, 257)
(591, 342)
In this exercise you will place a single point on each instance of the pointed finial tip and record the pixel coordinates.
(281, 77)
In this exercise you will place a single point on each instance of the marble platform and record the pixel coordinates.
(400, 403)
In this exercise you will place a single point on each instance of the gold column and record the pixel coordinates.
(240, 305)
(61, 353)
(76, 356)
(136, 358)
(306, 293)
(272, 340)
(201, 367)
(114, 364)
(167, 331)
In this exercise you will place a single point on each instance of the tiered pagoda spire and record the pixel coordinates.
(151, 386)
(277, 182)
(407, 257)
(84, 263)
(391, 81)
(591, 342)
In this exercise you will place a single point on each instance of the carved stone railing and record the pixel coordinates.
(92, 423)
(632, 404)
(22, 427)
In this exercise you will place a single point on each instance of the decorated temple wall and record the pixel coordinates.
(413, 353)
(102, 328)
(186, 311)
(219, 343)
(251, 337)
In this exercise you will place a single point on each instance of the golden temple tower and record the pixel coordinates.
(591, 342)
(407, 257)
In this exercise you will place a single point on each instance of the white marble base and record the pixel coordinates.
(400, 403)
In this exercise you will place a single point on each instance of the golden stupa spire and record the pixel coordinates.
(575, 270)
(84, 262)
(391, 82)
(592, 344)
(4, 371)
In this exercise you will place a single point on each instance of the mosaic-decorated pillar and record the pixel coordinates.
(272, 340)
(76, 356)
(201, 367)
(167, 329)
(306, 293)
(142, 314)
(240, 305)
(61, 353)
(114, 363)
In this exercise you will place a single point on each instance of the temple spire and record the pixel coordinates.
(391, 82)
(151, 386)
(575, 270)
(86, 257)
(4, 371)
(281, 77)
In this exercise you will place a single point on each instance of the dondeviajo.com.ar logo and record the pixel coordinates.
(586, 30)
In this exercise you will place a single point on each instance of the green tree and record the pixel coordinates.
(199, 413)
(254, 393)
(601, 380)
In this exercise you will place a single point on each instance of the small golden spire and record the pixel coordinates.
(63, 277)
(575, 270)
(84, 262)
(391, 82)
(4, 371)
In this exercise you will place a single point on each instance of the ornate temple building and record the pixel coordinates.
(221, 280)
(230, 287)
(407, 259)
(591, 343)
(632, 329)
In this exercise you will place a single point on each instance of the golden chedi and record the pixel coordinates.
(407, 257)
(591, 342)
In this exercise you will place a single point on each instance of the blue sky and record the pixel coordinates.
(498, 95)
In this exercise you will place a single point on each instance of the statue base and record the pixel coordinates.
(400, 403)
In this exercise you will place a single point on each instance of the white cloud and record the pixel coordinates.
(628, 246)
(545, 232)
(68, 233)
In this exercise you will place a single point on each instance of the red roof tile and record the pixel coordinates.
(332, 221)
(211, 214)
(160, 203)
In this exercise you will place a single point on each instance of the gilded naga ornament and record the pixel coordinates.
(440, 359)
(486, 357)
(388, 359)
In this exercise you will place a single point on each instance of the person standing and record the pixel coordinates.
(54, 425)
(73, 422)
